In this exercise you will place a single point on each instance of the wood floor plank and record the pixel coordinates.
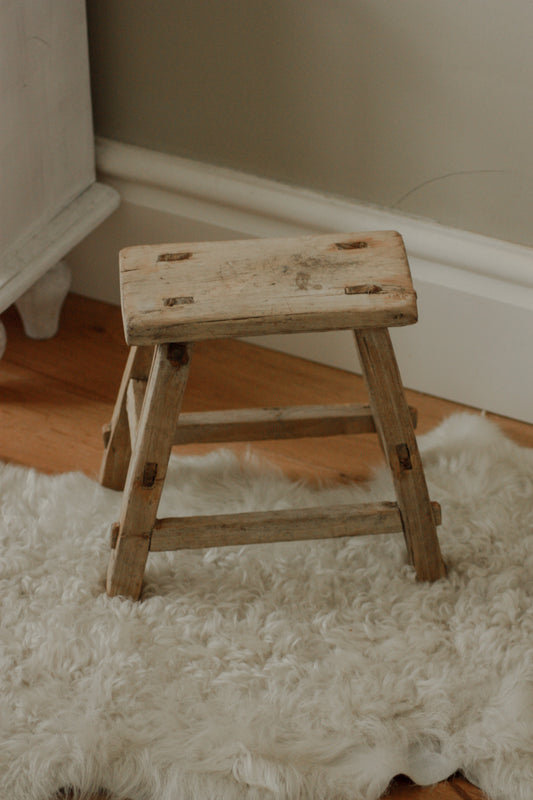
(55, 396)
(456, 788)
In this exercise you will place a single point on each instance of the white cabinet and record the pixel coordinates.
(49, 198)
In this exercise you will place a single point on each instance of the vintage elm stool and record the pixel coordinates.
(174, 295)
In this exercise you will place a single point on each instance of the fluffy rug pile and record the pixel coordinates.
(301, 670)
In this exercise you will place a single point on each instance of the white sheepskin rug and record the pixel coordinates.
(313, 671)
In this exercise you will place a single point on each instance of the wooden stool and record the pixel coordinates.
(174, 295)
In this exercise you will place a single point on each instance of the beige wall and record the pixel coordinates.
(425, 106)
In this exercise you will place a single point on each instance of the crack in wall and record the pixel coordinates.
(419, 186)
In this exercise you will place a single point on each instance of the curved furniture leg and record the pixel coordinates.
(40, 306)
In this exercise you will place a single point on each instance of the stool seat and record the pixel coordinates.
(206, 290)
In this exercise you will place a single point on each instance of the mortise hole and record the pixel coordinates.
(177, 301)
(365, 288)
(149, 474)
(174, 256)
(351, 245)
(404, 457)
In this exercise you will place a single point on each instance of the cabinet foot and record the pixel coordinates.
(40, 306)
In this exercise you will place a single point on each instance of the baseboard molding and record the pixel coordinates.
(473, 341)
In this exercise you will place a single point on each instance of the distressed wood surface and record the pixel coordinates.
(148, 468)
(187, 292)
(398, 441)
(117, 437)
(287, 525)
(134, 402)
(259, 424)
(290, 422)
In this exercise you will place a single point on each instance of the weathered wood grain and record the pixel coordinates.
(117, 438)
(289, 525)
(290, 422)
(148, 468)
(259, 424)
(398, 441)
(134, 403)
(187, 292)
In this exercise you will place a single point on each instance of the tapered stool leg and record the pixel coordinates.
(148, 468)
(117, 454)
(397, 437)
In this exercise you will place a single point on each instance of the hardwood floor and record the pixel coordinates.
(56, 395)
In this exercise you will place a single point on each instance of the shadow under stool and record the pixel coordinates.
(176, 294)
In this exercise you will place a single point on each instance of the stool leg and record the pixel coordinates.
(148, 468)
(117, 452)
(397, 437)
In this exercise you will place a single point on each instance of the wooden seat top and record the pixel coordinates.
(211, 290)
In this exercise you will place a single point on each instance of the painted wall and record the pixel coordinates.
(424, 107)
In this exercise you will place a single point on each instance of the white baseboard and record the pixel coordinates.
(473, 343)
